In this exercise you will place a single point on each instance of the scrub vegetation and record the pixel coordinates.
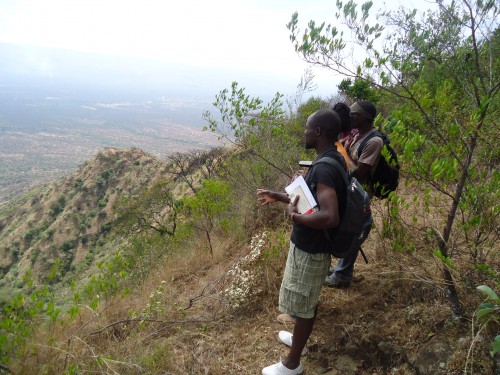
(137, 265)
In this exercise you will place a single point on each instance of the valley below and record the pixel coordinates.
(59, 108)
(32, 156)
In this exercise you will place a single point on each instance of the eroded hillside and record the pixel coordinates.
(59, 228)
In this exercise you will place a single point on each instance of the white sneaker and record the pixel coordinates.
(286, 338)
(280, 369)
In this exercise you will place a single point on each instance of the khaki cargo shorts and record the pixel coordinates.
(302, 282)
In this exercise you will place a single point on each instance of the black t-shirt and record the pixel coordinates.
(312, 240)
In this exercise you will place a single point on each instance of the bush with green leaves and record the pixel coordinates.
(154, 209)
(20, 316)
(358, 89)
(209, 207)
(485, 326)
(267, 144)
(258, 130)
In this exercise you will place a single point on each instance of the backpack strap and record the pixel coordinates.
(338, 167)
(346, 176)
(363, 143)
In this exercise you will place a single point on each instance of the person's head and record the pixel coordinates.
(322, 129)
(363, 113)
(344, 113)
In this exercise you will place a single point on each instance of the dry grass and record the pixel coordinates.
(396, 304)
(383, 306)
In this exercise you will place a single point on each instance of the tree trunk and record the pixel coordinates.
(456, 307)
(443, 247)
(210, 244)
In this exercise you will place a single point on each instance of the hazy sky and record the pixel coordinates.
(244, 34)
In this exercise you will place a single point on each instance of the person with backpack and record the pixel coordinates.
(309, 256)
(363, 162)
(343, 111)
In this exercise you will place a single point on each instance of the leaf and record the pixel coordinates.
(489, 293)
(484, 310)
(495, 345)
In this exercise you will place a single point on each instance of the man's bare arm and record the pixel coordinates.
(267, 197)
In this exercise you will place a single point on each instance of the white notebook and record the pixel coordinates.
(307, 204)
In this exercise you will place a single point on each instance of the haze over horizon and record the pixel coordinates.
(210, 44)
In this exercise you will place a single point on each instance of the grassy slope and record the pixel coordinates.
(394, 307)
(380, 322)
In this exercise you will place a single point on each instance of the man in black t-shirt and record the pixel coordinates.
(309, 258)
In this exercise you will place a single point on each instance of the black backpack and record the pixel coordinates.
(356, 220)
(385, 178)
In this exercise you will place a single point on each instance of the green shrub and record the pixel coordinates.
(34, 254)
(56, 209)
(47, 234)
(78, 184)
(68, 245)
(29, 235)
(106, 228)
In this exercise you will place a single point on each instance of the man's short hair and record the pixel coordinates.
(328, 121)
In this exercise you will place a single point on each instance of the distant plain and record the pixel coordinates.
(47, 138)
(58, 109)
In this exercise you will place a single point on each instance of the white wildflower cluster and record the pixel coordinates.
(244, 278)
(154, 307)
